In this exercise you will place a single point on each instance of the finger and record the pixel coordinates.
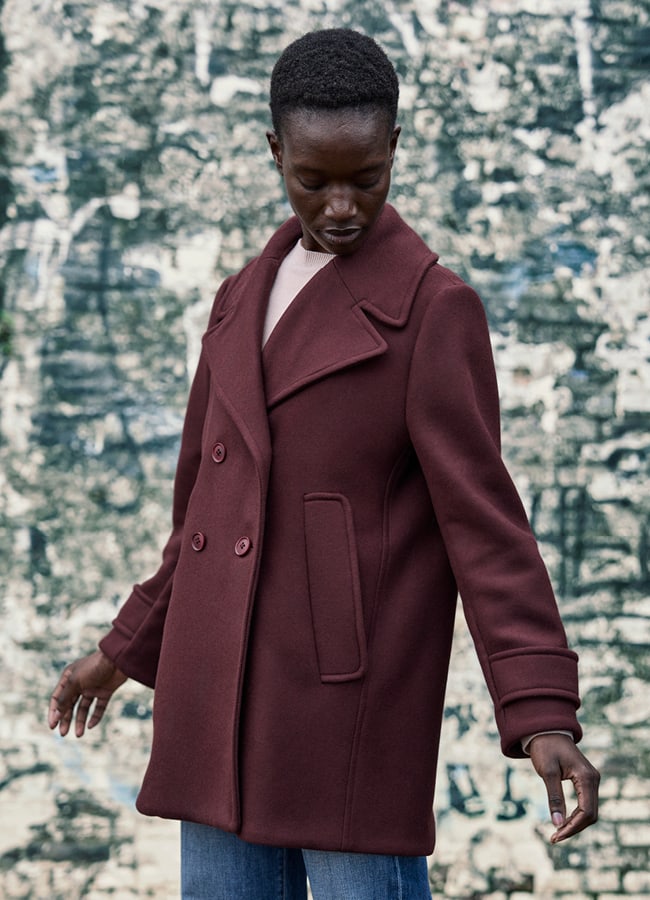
(98, 712)
(62, 700)
(64, 722)
(586, 812)
(556, 801)
(82, 714)
(576, 822)
(53, 712)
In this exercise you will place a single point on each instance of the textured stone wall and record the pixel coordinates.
(134, 176)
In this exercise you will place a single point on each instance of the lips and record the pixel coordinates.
(341, 237)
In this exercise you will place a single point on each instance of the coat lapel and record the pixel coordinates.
(323, 330)
(233, 351)
(327, 326)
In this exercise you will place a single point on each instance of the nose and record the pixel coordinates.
(341, 205)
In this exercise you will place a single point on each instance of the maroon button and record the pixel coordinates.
(242, 546)
(198, 541)
(219, 452)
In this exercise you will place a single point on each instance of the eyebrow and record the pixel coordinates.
(308, 170)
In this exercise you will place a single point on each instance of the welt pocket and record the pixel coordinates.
(334, 587)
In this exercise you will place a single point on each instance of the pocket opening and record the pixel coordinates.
(334, 587)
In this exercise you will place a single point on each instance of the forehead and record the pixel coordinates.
(315, 130)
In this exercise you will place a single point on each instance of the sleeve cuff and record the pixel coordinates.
(133, 643)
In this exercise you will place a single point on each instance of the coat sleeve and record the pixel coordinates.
(454, 423)
(134, 641)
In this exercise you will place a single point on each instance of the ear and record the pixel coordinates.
(393, 142)
(276, 149)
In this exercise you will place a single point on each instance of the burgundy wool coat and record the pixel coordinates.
(333, 494)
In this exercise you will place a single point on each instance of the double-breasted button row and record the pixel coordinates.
(242, 546)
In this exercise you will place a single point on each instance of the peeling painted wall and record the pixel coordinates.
(134, 176)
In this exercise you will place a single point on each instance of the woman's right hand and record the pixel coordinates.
(92, 679)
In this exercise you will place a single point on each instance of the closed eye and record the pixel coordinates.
(311, 187)
(361, 185)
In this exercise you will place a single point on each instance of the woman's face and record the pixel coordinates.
(336, 166)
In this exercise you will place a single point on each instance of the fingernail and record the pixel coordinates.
(557, 818)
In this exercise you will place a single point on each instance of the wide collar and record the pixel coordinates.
(328, 326)
(383, 275)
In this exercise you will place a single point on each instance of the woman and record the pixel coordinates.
(339, 481)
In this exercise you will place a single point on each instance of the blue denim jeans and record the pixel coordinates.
(216, 865)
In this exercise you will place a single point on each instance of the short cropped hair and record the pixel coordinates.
(335, 68)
